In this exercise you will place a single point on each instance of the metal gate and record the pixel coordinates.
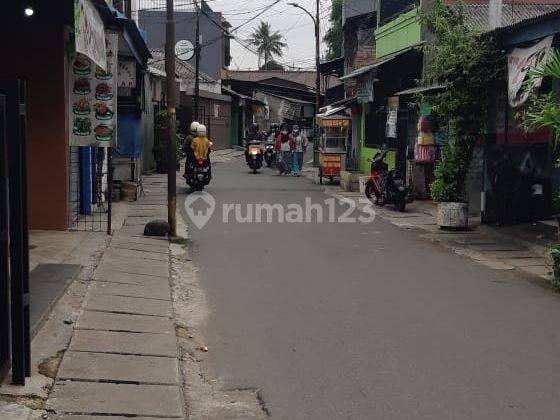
(4, 254)
(14, 278)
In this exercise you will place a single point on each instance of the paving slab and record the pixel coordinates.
(145, 344)
(151, 213)
(149, 291)
(127, 253)
(132, 305)
(86, 417)
(134, 246)
(122, 399)
(135, 267)
(137, 236)
(146, 240)
(108, 321)
(134, 261)
(129, 278)
(119, 368)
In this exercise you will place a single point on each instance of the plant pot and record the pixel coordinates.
(453, 215)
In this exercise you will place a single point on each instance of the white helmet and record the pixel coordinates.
(201, 130)
(194, 127)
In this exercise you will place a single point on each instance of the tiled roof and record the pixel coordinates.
(183, 70)
(476, 15)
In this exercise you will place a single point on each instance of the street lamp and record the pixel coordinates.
(317, 75)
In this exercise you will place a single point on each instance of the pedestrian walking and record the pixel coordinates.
(284, 146)
(300, 146)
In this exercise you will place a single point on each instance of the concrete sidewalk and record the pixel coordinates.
(122, 358)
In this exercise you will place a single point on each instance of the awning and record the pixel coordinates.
(360, 71)
(241, 96)
(336, 107)
(384, 60)
(419, 89)
(136, 39)
(334, 67)
(292, 100)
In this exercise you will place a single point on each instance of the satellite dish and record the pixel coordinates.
(184, 50)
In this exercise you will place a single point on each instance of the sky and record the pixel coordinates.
(294, 24)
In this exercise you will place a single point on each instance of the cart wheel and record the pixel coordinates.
(369, 191)
(380, 199)
(320, 175)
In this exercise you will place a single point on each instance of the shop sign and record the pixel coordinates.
(391, 127)
(364, 88)
(288, 110)
(89, 32)
(93, 99)
(520, 62)
(126, 74)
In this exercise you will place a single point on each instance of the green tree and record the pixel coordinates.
(268, 43)
(333, 37)
(272, 65)
(469, 65)
(542, 110)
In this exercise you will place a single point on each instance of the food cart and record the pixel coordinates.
(332, 145)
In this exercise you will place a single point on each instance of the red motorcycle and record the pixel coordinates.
(384, 185)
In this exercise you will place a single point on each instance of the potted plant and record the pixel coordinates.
(160, 143)
(542, 110)
(448, 189)
(469, 66)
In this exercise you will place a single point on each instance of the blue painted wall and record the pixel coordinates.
(129, 136)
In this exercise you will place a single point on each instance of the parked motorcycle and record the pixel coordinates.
(198, 174)
(269, 152)
(384, 185)
(255, 156)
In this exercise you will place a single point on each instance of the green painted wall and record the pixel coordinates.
(368, 152)
(398, 34)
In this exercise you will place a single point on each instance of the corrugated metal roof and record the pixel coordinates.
(382, 61)
(476, 15)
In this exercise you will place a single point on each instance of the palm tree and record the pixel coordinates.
(268, 43)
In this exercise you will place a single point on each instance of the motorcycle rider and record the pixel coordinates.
(187, 150)
(300, 140)
(201, 145)
(252, 137)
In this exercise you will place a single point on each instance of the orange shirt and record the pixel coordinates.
(200, 146)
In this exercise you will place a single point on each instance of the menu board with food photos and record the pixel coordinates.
(93, 99)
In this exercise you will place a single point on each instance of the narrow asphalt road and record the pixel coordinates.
(367, 321)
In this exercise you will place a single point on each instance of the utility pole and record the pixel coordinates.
(495, 14)
(316, 22)
(171, 120)
(197, 62)
(317, 84)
